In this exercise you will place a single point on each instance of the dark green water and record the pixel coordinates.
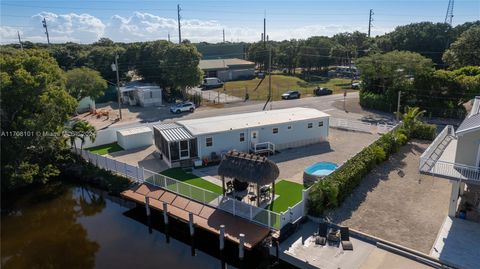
(65, 226)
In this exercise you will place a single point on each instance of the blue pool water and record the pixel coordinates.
(321, 169)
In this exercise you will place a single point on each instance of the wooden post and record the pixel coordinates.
(147, 205)
(190, 223)
(241, 246)
(222, 237)
(258, 195)
(165, 213)
(223, 185)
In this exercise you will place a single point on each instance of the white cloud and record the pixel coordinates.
(140, 26)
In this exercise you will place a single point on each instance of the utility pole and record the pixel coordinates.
(168, 37)
(44, 22)
(223, 35)
(20, 40)
(449, 15)
(269, 79)
(398, 105)
(264, 36)
(179, 27)
(115, 68)
(370, 20)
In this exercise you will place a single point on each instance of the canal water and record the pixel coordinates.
(70, 226)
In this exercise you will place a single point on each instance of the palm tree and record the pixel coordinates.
(82, 129)
(412, 116)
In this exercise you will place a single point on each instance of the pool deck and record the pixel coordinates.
(204, 217)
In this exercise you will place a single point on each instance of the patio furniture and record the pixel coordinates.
(333, 235)
(321, 238)
(345, 236)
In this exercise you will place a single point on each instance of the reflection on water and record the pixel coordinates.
(42, 231)
(74, 227)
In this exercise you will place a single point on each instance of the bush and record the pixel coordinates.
(375, 101)
(401, 138)
(424, 131)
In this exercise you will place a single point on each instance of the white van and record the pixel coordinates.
(209, 83)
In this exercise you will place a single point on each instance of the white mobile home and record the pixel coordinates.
(187, 140)
(141, 94)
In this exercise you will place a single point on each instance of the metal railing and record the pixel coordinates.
(427, 154)
(455, 170)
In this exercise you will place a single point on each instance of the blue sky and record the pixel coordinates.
(127, 20)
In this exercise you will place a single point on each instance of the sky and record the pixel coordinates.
(85, 21)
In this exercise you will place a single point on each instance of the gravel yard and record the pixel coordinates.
(396, 203)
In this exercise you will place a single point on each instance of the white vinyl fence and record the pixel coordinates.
(255, 214)
(360, 126)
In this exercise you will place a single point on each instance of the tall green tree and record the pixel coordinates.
(82, 82)
(465, 50)
(35, 107)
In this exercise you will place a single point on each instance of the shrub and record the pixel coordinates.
(379, 154)
(401, 138)
(375, 101)
(424, 131)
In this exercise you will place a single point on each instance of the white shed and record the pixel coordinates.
(135, 137)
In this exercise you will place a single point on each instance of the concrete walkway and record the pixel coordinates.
(458, 242)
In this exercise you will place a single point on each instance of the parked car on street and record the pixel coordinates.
(182, 107)
(291, 95)
(356, 85)
(322, 91)
(210, 83)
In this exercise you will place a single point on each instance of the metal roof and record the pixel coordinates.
(472, 121)
(173, 132)
(223, 63)
(250, 120)
(134, 131)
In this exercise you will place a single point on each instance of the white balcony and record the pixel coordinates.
(439, 159)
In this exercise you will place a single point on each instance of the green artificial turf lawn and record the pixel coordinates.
(289, 193)
(179, 174)
(105, 149)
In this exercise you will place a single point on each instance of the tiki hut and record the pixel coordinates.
(249, 168)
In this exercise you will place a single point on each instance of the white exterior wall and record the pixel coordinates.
(85, 104)
(467, 148)
(133, 141)
(299, 135)
(150, 97)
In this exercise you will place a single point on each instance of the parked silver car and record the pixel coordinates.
(182, 107)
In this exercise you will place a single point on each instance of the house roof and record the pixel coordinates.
(250, 120)
(173, 132)
(223, 63)
(134, 131)
(472, 121)
(248, 168)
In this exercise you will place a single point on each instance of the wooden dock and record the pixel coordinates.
(205, 217)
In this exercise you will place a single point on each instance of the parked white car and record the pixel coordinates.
(183, 107)
(209, 83)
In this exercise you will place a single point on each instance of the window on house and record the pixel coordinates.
(151, 94)
(320, 123)
(289, 127)
(310, 125)
(275, 130)
(209, 141)
(242, 137)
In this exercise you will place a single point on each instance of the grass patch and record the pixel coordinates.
(289, 193)
(281, 84)
(189, 178)
(105, 149)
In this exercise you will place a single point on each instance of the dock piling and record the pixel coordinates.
(190, 223)
(222, 237)
(147, 205)
(241, 246)
(165, 213)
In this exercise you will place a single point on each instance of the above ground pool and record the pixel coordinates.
(321, 169)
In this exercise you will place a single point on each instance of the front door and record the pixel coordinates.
(478, 156)
(184, 150)
(254, 137)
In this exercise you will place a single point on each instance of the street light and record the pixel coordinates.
(115, 69)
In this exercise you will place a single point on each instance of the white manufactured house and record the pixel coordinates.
(266, 131)
(138, 93)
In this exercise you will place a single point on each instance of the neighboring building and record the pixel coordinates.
(455, 155)
(264, 131)
(134, 137)
(228, 69)
(138, 93)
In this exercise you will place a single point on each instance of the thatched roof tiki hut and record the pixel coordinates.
(249, 168)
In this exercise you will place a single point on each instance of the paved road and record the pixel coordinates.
(324, 103)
